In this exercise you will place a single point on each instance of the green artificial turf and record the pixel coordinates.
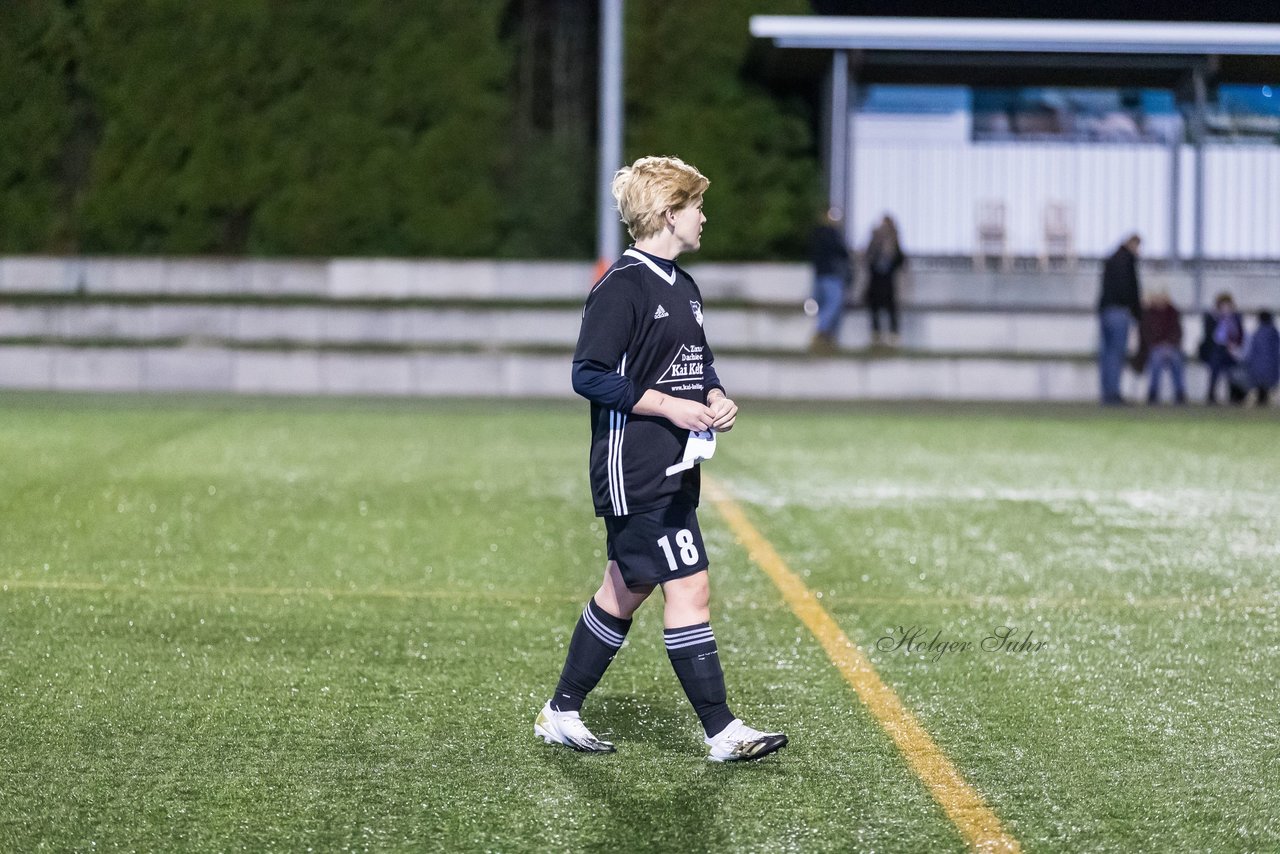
(288, 625)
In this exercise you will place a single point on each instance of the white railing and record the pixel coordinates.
(934, 191)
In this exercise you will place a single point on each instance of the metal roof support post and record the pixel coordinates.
(850, 146)
(1175, 200)
(1197, 138)
(838, 144)
(608, 235)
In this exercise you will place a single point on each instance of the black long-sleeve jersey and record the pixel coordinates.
(641, 330)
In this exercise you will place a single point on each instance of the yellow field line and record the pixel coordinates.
(976, 822)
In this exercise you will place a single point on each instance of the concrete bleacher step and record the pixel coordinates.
(998, 329)
(533, 373)
(356, 326)
(926, 283)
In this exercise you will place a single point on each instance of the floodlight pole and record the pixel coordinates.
(608, 235)
(1175, 201)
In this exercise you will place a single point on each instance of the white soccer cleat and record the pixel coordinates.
(740, 743)
(568, 729)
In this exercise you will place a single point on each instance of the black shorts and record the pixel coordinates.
(658, 546)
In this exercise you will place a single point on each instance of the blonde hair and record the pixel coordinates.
(650, 187)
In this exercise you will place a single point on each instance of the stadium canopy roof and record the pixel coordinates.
(1182, 56)
(1034, 52)
(953, 34)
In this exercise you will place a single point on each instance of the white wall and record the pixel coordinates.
(933, 190)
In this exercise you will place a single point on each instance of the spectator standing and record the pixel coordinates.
(1262, 358)
(832, 274)
(884, 258)
(1119, 302)
(1223, 349)
(1161, 342)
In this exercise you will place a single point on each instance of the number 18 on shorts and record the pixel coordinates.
(657, 546)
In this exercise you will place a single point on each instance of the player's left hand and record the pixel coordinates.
(726, 411)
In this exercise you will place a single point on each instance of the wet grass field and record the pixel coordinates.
(295, 624)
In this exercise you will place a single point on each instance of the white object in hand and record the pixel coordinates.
(700, 446)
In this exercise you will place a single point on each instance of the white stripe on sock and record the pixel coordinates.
(692, 640)
(674, 646)
(606, 635)
(677, 634)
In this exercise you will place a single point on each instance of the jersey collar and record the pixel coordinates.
(669, 278)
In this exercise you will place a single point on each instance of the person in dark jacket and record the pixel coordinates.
(1119, 302)
(884, 258)
(1262, 358)
(1161, 342)
(1224, 347)
(832, 275)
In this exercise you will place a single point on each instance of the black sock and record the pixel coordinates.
(693, 654)
(595, 640)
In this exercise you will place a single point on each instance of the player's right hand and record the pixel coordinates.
(688, 414)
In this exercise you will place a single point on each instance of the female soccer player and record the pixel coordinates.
(643, 361)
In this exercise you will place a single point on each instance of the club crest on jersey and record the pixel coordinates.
(660, 313)
(697, 310)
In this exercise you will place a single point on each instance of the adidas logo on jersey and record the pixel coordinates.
(660, 313)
